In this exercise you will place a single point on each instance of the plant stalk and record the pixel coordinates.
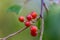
(42, 22)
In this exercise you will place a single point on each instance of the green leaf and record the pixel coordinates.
(14, 8)
(52, 24)
(38, 23)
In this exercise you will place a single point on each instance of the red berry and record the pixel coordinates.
(29, 17)
(27, 23)
(33, 29)
(34, 15)
(21, 19)
(33, 34)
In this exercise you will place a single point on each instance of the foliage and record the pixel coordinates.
(52, 23)
(14, 8)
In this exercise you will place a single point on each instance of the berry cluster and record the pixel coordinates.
(30, 17)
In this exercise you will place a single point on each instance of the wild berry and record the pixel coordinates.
(27, 23)
(21, 19)
(29, 17)
(33, 34)
(33, 29)
(34, 15)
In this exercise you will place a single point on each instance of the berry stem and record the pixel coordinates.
(42, 23)
(19, 31)
(45, 7)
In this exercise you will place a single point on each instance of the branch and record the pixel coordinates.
(42, 29)
(42, 23)
(19, 31)
(45, 7)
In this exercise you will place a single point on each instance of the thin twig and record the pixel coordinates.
(45, 7)
(42, 29)
(19, 31)
(42, 23)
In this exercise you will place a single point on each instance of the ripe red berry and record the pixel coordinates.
(27, 23)
(21, 19)
(33, 34)
(33, 29)
(34, 15)
(29, 17)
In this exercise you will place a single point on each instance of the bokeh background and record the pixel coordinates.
(10, 10)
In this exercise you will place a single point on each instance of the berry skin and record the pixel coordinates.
(34, 15)
(21, 19)
(33, 29)
(34, 34)
(29, 17)
(27, 23)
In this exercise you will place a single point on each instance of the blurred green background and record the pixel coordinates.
(10, 10)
